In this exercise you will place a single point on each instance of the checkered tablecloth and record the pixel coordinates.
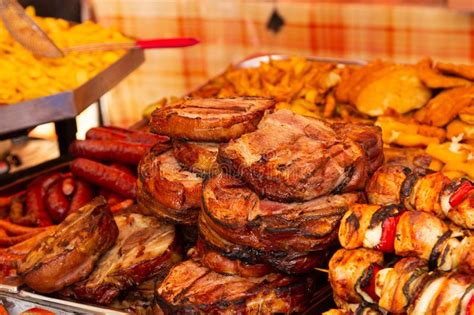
(230, 30)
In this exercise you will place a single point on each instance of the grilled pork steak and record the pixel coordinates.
(191, 288)
(226, 257)
(218, 262)
(295, 158)
(215, 120)
(144, 248)
(70, 254)
(237, 214)
(197, 157)
(368, 136)
(167, 190)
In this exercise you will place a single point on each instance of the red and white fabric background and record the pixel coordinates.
(230, 30)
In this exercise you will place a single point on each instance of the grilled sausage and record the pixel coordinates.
(83, 193)
(105, 150)
(105, 176)
(121, 134)
(36, 212)
(57, 202)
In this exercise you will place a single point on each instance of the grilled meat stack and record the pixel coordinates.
(288, 236)
(293, 179)
(271, 200)
(170, 183)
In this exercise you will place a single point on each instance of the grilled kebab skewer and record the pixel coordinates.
(358, 276)
(407, 233)
(418, 190)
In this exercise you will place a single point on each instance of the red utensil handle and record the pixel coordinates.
(166, 42)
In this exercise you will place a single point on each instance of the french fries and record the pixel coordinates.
(38, 76)
(295, 84)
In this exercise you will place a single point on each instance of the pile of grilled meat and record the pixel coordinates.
(265, 189)
(256, 194)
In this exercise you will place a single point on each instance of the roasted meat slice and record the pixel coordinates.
(70, 254)
(191, 288)
(237, 214)
(345, 269)
(197, 157)
(210, 119)
(167, 190)
(217, 262)
(246, 259)
(144, 248)
(368, 136)
(295, 158)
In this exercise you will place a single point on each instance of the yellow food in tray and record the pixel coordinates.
(24, 76)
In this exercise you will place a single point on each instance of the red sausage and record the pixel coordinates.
(7, 241)
(83, 193)
(68, 186)
(57, 202)
(121, 134)
(15, 229)
(35, 202)
(124, 168)
(106, 150)
(105, 176)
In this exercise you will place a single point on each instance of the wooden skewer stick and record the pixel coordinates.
(322, 270)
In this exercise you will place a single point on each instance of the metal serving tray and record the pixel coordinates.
(68, 104)
(255, 60)
(23, 300)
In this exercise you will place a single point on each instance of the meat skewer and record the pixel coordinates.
(406, 233)
(358, 276)
(418, 190)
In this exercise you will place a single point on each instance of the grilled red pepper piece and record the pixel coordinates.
(470, 306)
(370, 288)
(460, 194)
(387, 240)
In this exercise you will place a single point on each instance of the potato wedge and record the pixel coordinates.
(463, 71)
(435, 80)
(395, 88)
(445, 106)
